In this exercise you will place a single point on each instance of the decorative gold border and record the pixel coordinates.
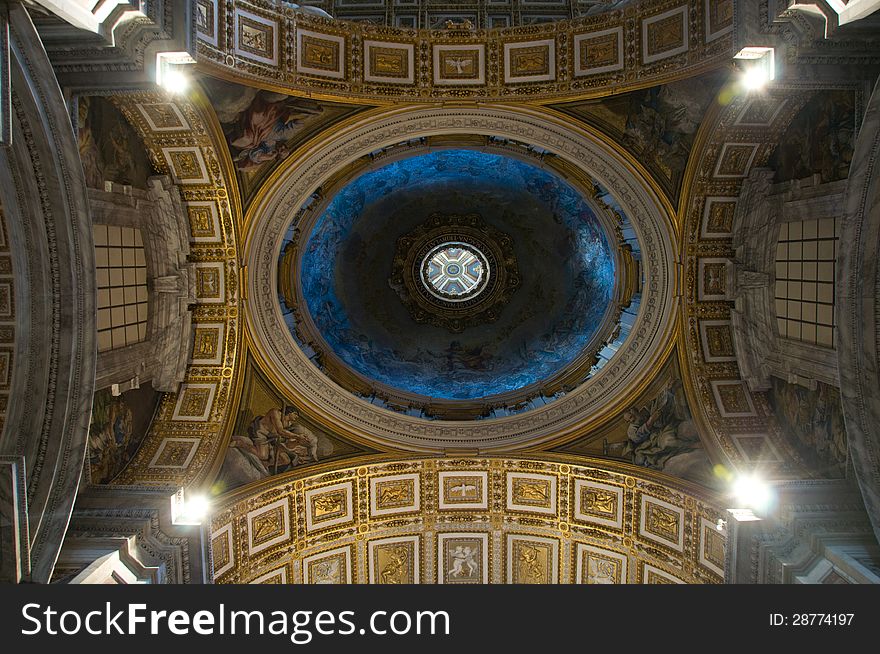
(704, 53)
(694, 503)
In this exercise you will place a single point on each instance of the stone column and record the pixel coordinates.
(51, 255)
(858, 310)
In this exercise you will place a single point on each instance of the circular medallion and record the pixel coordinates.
(455, 271)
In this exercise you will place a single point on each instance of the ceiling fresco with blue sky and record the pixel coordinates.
(565, 262)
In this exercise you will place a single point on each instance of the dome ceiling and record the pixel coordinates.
(566, 271)
(567, 310)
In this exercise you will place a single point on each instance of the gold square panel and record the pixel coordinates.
(653, 575)
(394, 494)
(208, 343)
(204, 221)
(662, 522)
(394, 561)
(717, 340)
(163, 117)
(719, 18)
(460, 489)
(194, 402)
(463, 558)
(595, 565)
(320, 54)
(756, 448)
(175, 453)
(269, 525)
(5, 367)
(7, 301)
(760, 111)
(457, 65)
(329, 567)
(275, 577)
(329, 506)
(714, 278)
(532, 559)
(389, 62)
(597, 503)
(211, 283)
(531, 492)
(711, 546)
(718, 215)
(256, 37)
(598, 52)
(207, 21)
(187, 165)
(732, 398)
(221, 550)
(665, 35)
(530, 61)
(735, 160)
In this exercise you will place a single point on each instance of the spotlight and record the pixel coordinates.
(189, 509)
(758, 67)
(175, 81)
(755, 78)
(170, 73)
(196, 507)
(752, 492)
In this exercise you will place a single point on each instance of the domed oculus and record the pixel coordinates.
(351, 309)
(455, 271)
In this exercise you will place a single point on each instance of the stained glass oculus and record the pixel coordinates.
(455, 271)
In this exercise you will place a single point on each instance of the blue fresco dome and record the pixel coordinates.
(566, 267)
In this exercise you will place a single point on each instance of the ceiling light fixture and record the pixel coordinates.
(752, 492)
(758, 68)
(170, 71)
(189, 509)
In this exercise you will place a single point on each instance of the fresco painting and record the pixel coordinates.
(811, 423)
(271, 437)
(657, 125)
(566, 263)
(108, 146)
(117, 429)
(819, 140)
(262, 127)
(656, 431)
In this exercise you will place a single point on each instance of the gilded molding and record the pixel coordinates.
(727, 149)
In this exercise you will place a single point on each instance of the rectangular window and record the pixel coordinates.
(121, 273)
(805, 257)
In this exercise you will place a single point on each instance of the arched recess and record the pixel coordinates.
(291, 187)
(857, 310)
(45, 205)
(731, 214)
(188, 434)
